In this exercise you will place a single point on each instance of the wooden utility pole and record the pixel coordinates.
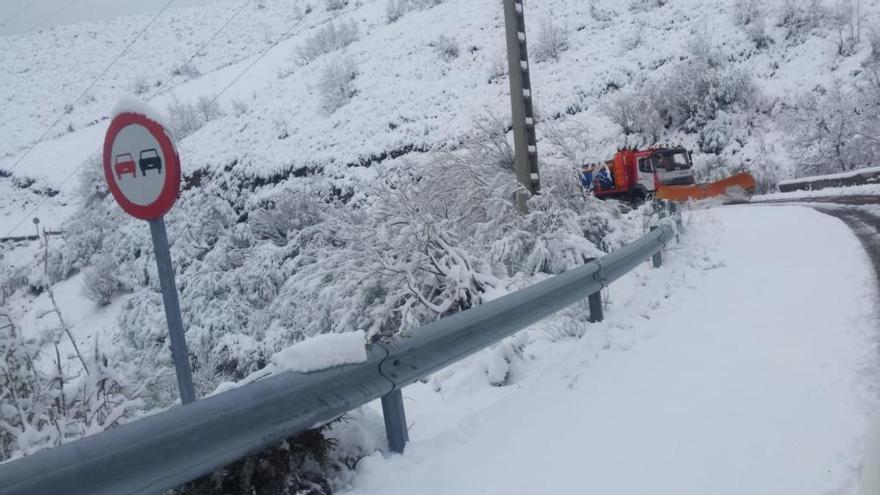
(525, 147)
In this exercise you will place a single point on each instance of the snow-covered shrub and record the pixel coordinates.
(208, 108)
(871, 64)
(688, 97)
(846, 19)
(91, 184)
(716, 134)
(328, 39)
(746, 12)
(757, 32)
(336, 84)
(185, 118)
(825, 131)
(335, 4)
(41, 409)
(447, 48)
(570, 141)
(645, 5)
(552, 41)
(185, 67)
(700, 87)
(599, 14)
(239, 107)
(874, 43)
(99, 281)
(497, 68)
(296, 466)
(395, 9)
(141, 84)
(488, 142)
(800, 17)
(623, 109)
(637, 114)
(282, 214)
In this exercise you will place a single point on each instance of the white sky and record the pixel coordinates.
(19, 16)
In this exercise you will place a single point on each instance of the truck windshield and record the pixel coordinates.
(672, 160)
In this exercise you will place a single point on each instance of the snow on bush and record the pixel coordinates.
(826, 135)
(336, 84)
(141, 84)
(498, 68)
(100, 283)
(845, 17)
(335, 4)
(446, 47)
(645, 5)
(328, 39)
(185, 68)
(40, 408)
(186, 118)
(800, 17)
(696, 95)
(552, 41)
(395, 9)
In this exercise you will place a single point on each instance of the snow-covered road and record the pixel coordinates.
(747, 365)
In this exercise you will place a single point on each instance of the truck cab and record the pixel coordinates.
(638, 173)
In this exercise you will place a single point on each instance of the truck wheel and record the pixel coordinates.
(638, 196)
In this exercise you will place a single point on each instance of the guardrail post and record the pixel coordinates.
(658, 257)
(395, 421)
(597, 314)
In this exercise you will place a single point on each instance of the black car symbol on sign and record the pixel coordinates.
(150, 161)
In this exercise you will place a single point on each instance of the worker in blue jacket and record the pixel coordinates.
(587, 176)
(604, 178)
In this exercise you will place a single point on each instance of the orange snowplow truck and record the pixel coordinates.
(665, 172)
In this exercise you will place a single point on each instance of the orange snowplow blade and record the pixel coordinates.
(739, 186)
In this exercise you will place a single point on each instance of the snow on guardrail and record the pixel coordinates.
(870, 175)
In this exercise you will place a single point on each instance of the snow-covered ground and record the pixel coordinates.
(746, 365)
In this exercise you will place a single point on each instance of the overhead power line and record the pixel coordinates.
(234, 80)
(90, 86)
(18, 13)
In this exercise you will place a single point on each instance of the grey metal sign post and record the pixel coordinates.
(142, 169)
(179, 351)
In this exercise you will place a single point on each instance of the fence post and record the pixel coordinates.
(395, 421)
(658, 256)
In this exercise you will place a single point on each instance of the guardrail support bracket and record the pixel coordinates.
(395, 421)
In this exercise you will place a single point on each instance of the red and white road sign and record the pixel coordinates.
(141, 166)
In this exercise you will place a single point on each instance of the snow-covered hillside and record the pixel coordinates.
(409, 96)
(347, 163)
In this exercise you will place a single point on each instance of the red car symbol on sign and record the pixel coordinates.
(125, 165)
(150, 161)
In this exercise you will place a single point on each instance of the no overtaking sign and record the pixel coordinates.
(141, 166)
(143, 173)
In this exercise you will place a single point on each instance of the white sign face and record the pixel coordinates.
(138, 165)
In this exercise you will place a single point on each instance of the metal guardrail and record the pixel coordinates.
(160, 452)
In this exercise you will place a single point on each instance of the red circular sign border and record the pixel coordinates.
(170, 188)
